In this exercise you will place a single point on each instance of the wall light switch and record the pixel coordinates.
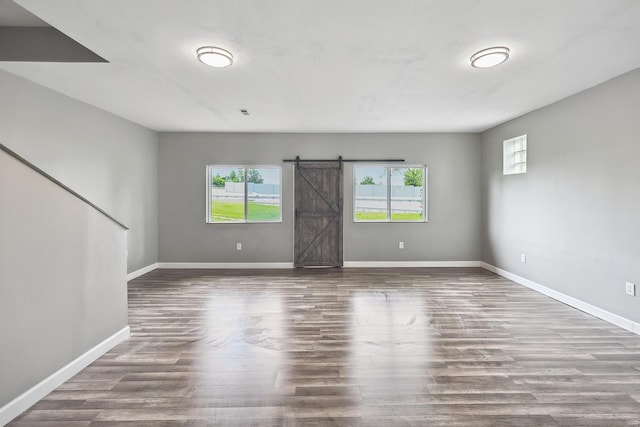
(401, 245)
(523, 258)
(631, 289)
(238, 246)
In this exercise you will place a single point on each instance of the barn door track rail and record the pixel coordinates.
(298, 160)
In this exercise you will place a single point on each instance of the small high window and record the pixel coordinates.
(514, 153)
(390, 194)
(237, 194)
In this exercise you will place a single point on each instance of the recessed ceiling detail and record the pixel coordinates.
(490, 57)
(42, 44)
(14, 15)
(25, 37)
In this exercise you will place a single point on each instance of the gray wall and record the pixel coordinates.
(108, 160)
(575, 212)
(62, 274)
(452, 233)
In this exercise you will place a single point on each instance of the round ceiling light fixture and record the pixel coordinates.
(214, 56)
(490, 57)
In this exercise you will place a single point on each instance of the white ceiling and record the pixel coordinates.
(335, 65)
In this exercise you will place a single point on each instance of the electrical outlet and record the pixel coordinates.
(631, 289)
(238, 246)
(523, 258)
(401, 245)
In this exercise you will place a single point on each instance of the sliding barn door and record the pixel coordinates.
(318, 214)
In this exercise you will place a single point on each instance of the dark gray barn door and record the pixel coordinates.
(318, 214)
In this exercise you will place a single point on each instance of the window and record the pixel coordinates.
(514, 153)
(237, 194)
(384, 193)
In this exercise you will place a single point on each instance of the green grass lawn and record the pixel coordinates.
(382, 216)
(234, 211)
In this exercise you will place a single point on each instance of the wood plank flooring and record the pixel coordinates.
(351, 347)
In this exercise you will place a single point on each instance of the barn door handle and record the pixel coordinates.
(296, 213)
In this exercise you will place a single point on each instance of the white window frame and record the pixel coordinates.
(390, 166)
(209, 176)
(514, 155)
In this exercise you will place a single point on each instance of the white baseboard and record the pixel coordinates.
(21, 403)
(347, 264)
(404, 264)
(598, 312)
(233, 265)
(143, 270)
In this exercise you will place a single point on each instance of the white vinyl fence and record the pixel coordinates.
(264, 194)
(373, 198)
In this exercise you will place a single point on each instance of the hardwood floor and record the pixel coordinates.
(351, 347)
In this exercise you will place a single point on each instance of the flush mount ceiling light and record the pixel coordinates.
(215, 56)
(490, 57)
